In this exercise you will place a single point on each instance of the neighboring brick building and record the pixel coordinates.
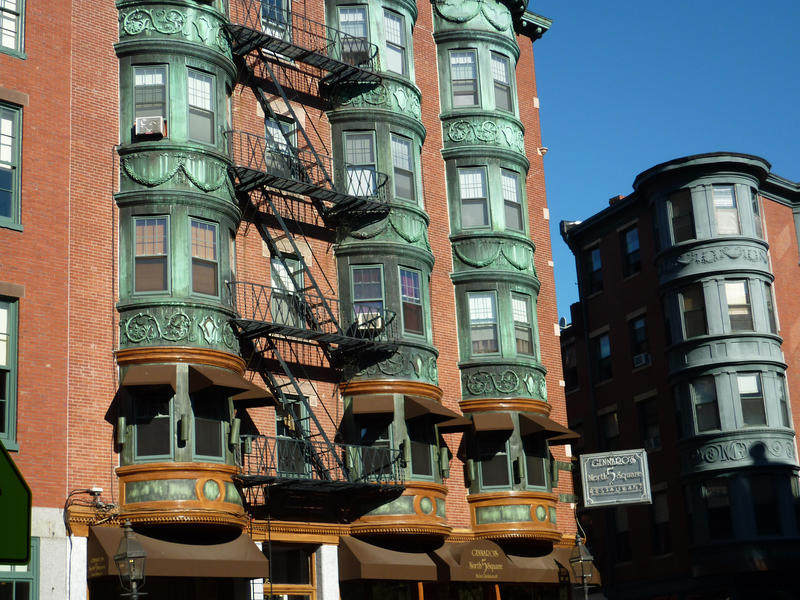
(684, 343)
(267, 279)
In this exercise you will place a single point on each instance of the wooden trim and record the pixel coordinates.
(516, 404)
(407, 388)
(531, 530)
(154, 470)
(180, 354)
(291, 531)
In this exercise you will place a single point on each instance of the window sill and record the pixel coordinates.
(10, 445)
(15, 53)
(631, 276)
(11, 225)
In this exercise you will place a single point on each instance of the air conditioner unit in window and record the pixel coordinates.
(150, 126)
(370, 321)
(640, 360)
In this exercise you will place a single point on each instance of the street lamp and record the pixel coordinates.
(130, 558)
(580, 560)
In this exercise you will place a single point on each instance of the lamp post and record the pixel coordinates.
(130, 559)
(580, 561)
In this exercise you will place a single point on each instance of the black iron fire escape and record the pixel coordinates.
(276, 325)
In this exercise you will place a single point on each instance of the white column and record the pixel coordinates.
(257, 585)
(328, 572)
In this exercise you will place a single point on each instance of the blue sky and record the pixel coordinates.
(628, 84)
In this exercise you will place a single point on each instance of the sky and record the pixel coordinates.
(628, 84)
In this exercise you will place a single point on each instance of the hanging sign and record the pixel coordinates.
(613, 478)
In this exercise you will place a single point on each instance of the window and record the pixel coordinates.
(286, 306)
(693, 307)
(8, 371)
(201, 107)
(725, 211)
(483, 322)
(601, 358)
(718, 505)
(464, 78)
(12, 14)
(291, 452)
(662, 539)
(681, 216)
(773, 322)
(154, 430)
(359, 149)
(751, 397)
(535, 461)
(276, 19)
(493, 456)
(609, 428)
(703, 391)
(423, 445)
(293, 571)
(411, 298)
(757, 222)
(648, 424)
(622, 535)
(150, 91)
(474, 199)
(151, 262)
(765, 504)
(353, 23)
(205, 278)
(738, 297)
(405, 186)
(21, 582)
(367, 293)
(10, 137)
(375, 442)
(395, 30)
(281, 140)
(631, 259)
(637, 331)
(569, 359)
(523, 332)
(783, 400)
(501, 73)
(232, 252)
(594, 271)
(513, 206)
(210, 415)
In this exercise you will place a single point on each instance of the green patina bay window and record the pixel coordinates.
(151, 262)
(154, 426)
(405, 185)
(368, 298)
(150, 91)
(511, 200)
(501, 74)
(360, 159)
(523, 330)
(464, 77)
(395, 31)
(474, 197)
(483, 322)
(353, 23)
(205, 271)
(210, 415)
(411, 299)
(200, 101)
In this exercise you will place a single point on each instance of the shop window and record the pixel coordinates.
(593, 266)
(395, 30)
(423, 444)
(201, 107)
(648, 424)
(153, 424)
(151, 262)
(693, 309)
(276, 19)
(464, 77)
(737, 294)
(758, 224)
(12, 18)
(765, 504)
(609, 428)
(205, 271)
(771, 318)
(10, 156)
(569, 358)
(292, 572)
(662, 538)
(622, 535)
(751, 398)
(501, 74)
(367, 293)
(783, 400)
(536, 461)
(703, 393)
(483, 322)
(405, 185)
(716, 495)
(523, 332)
(640, 347)
(8, 371)
(511, 201)
(359, 149)
(210, 411)
(411, 298)
(631, 256)
(493, 456)
(21, 582)
(601, 358)
(474, 197)
(353, 23)
(681, 216)
(725, 210)
(286, 305)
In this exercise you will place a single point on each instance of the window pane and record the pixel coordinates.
(411, 298)
(704, 397)
(752, 399)
(359, 149)
(10, 19)
(153, 432)
(4, 332)
(404, 186)
(759, 226)
(474, 205)
(420, 432)
(8, 163)
(594, 270)
(464, 78)
(725, 209)
(535, 462)
(494, 463)
(736, 293)
(150, 91)
(694, 310)
(204, 258)
(522, 324)
(367, 283)
(483, 322)
(395, 42)
(201, 114)
(290, 565)
(151, 255)
(353, 20)
(682, 218)
(773, 324)
(502, 82)
(513, 208)
(631, 260)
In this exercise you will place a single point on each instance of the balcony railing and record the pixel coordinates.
(301, 459)
(287, 34)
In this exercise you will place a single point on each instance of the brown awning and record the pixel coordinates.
(253, 396)
(137, 375)
(492, 421)
(202, 377)
(484, 560)
(418, 407)
(531, 423)
(561, 556)
(239, 558)
(373, 404)
(454, 425)
(361, 560)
